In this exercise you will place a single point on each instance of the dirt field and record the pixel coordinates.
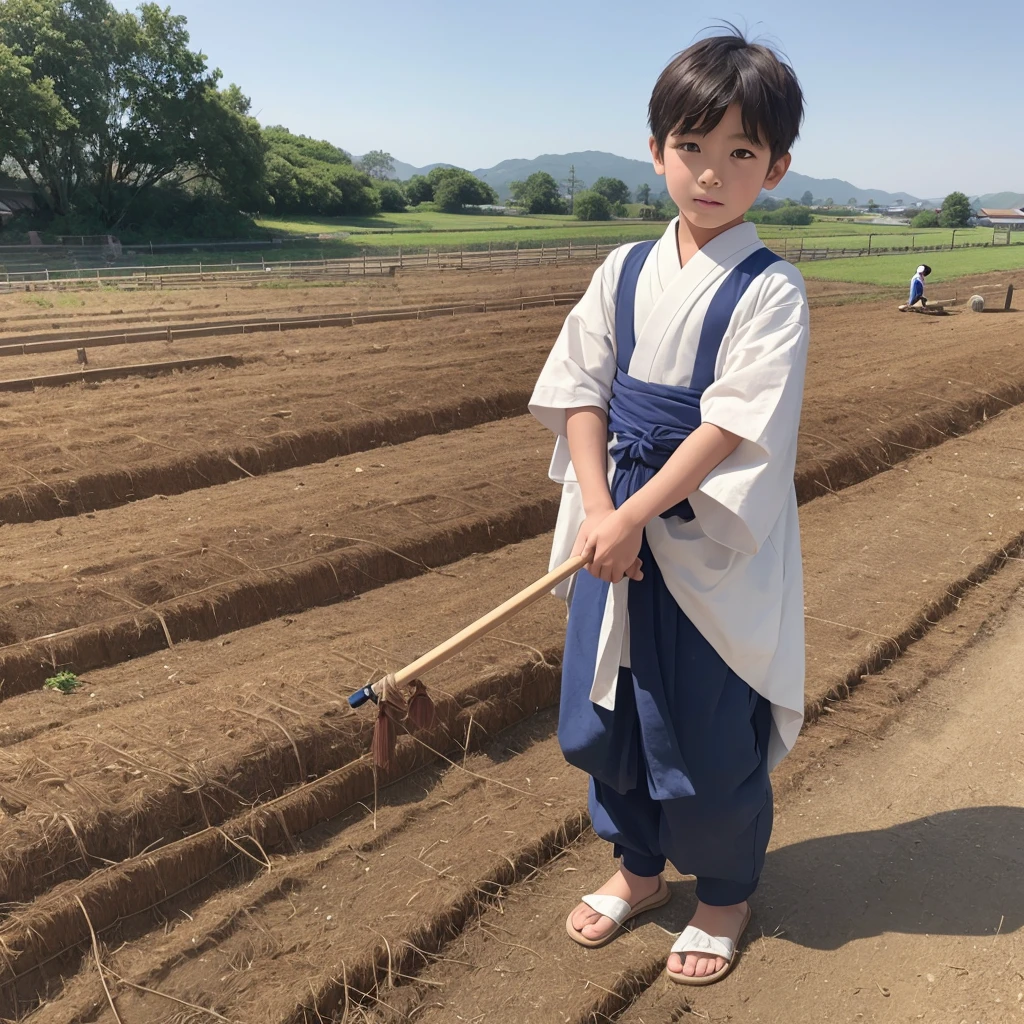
(224, 555)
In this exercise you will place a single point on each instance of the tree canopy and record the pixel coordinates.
(377, 164)
(309, 176)
(925, 219)
(538, 194)
(449, 188)
(956, 209)
(98, 106)
(455, 188)
(614, 190)
(591, 205)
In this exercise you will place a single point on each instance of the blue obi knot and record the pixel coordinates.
(649, 422)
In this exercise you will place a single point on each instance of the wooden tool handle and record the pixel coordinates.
(475, 630)
(487, 622)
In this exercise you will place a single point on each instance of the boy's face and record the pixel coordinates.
(715, 178)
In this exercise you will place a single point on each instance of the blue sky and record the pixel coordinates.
(911, 97)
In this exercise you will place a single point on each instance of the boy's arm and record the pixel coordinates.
(688, 465)
(587, 431)
(613, 543)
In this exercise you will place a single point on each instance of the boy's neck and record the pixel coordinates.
(690, 238)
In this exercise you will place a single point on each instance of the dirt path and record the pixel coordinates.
(892, 891)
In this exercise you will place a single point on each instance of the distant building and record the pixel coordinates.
(1013, 219)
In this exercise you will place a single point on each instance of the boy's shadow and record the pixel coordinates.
(952, 873)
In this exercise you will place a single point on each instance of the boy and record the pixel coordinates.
(917, 286)
(674, 389)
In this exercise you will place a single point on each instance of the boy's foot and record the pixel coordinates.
(626, 886)
(727, 922)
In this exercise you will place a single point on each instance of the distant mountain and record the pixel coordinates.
(794, 185)
(593, 164)
(405, 171)
(999, 200)
(588, 165)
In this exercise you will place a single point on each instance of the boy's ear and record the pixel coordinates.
(656, 155)
(778, 171)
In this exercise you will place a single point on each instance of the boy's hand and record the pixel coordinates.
(611, 543)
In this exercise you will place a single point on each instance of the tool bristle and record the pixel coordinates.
(422, 711)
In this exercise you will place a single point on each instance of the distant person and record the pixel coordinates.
(917, 287)
(674, 389)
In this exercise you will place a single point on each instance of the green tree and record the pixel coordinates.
(592, 205)
(392, 198)
(538, 194)
(852, 201)
(925, 219)
(613, 189)
(807, 199)
(643, 194)
(457, 188)
(830, 202)
(956, 209)
(377, 164)
(310, 176)
(418, 190)
(98, 106)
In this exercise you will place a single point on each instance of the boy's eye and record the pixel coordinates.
(688, 147)
(743, 154)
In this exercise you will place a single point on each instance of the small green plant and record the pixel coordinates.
(66, 682)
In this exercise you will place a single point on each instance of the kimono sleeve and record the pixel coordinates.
(581, 366)
(757, 395)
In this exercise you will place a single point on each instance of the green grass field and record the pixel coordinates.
(342, 238)
(410, 221)
(896, 271)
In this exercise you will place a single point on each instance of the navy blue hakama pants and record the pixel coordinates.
(679, 767)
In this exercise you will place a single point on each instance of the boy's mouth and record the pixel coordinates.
(706, 202)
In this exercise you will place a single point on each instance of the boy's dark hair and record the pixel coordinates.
(700, 83)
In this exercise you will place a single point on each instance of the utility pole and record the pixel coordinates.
(574, 183)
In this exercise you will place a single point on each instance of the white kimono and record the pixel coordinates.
(738, 576)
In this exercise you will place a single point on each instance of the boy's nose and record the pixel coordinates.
(708, 178)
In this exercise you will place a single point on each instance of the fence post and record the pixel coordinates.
(399, 257)
(870, 236)
(364, 263)
(517, 253)
(913, 242)
(1009, 298)
(800, 257)
(952, 241)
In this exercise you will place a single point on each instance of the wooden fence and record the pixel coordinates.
(367, 265)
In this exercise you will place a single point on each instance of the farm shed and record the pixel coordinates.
(1012, 219)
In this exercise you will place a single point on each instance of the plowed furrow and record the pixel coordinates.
(882, 560)
(261, 548)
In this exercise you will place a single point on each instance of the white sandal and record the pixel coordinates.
(695, 940)
(618, 911)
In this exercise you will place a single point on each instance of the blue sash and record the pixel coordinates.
(648, 422)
